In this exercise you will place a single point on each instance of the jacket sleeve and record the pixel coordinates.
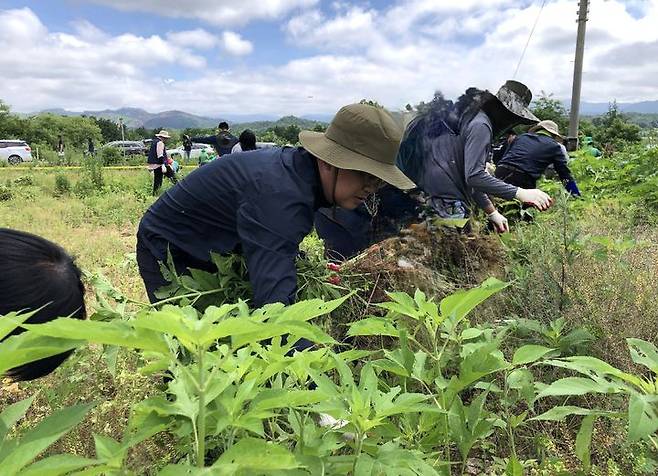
(476, 150)
(270, 246)
(212, 140)
(560, 164)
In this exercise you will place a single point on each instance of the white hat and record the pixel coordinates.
(164, 134)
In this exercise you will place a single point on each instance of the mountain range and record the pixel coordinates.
(136, 117)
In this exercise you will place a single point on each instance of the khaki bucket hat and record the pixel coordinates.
(549, 126)
(360, 137)
(516, 98)
(164, 134)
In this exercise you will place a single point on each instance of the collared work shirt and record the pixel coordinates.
(533, 153)
(258, 203)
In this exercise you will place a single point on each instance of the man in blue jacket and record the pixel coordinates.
(222, 142)
(261, 203)
(530, 154)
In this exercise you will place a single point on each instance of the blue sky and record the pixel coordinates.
(276, 57)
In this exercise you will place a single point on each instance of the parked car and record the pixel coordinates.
(15, 151)
(179, 153)
(127, 147)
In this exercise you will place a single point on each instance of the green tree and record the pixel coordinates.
(549, 108)
(614, 130)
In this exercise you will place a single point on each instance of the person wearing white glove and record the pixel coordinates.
(499, 221)
(535, 197)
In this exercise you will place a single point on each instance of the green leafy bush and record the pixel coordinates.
(62, 185)
(5, 193)
(109, 156)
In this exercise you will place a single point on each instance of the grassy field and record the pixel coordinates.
(592, 264)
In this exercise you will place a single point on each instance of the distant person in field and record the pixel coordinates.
(60, 146)
(446, 147)
(91, 150)
(158, 161)
(261, 203)
(187, 146)
(531, 154)
(36, 274)
(588, 147)
(246, 142)
(222, 142)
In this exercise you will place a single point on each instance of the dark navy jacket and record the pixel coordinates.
(533, 153)
(222, 142)
(258, 203)
(153, 154)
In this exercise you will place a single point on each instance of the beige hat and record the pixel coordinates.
(164, 134)
(360, 137)
(549, 126)
(516, 98)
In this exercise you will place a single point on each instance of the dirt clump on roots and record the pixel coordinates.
(438, 261)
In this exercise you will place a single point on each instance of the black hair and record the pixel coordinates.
(247, 140)
(439, 116)
(223, 126)
(38, 274)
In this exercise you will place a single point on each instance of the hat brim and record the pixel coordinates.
(523, 113)
(538, 127)
(163, 136)
(335, 154)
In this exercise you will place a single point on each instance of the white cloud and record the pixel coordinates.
(197, 39)
(223, 12)
(394, 56)
(235, 45)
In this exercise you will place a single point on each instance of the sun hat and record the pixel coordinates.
(164, 134)
(549, 126)
(516, 98)
(360, 137)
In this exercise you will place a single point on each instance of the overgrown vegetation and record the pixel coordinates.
(551, 369)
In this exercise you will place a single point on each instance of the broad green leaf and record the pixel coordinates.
(458, 305)
(471, 333)
(57, 465)
(28, 347)
(108, 449)
(575, 386)
(514, 467)
(309, 309)
(11, 321)
(561, 412)
(642, 416)
(11, 415)
(529, 353)
(255, 455)
(173, 321)
(119, 333)
(373, 326)
(584, 439)
(644, 353)
(19, 453)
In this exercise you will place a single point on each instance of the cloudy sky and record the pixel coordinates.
(277, 57)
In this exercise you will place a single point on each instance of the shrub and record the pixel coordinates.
(91, 179)
(62, 185)
(24, 180)
(109, 156)
(5, 193)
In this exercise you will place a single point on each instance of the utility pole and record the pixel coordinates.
(572, 140)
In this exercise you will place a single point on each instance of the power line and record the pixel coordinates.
(529, 37)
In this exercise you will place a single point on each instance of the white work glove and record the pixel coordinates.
(499, 221)
(490, 168)
(164, 168)
(535, 197)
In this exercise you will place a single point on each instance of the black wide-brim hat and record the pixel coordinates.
(516, 97)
